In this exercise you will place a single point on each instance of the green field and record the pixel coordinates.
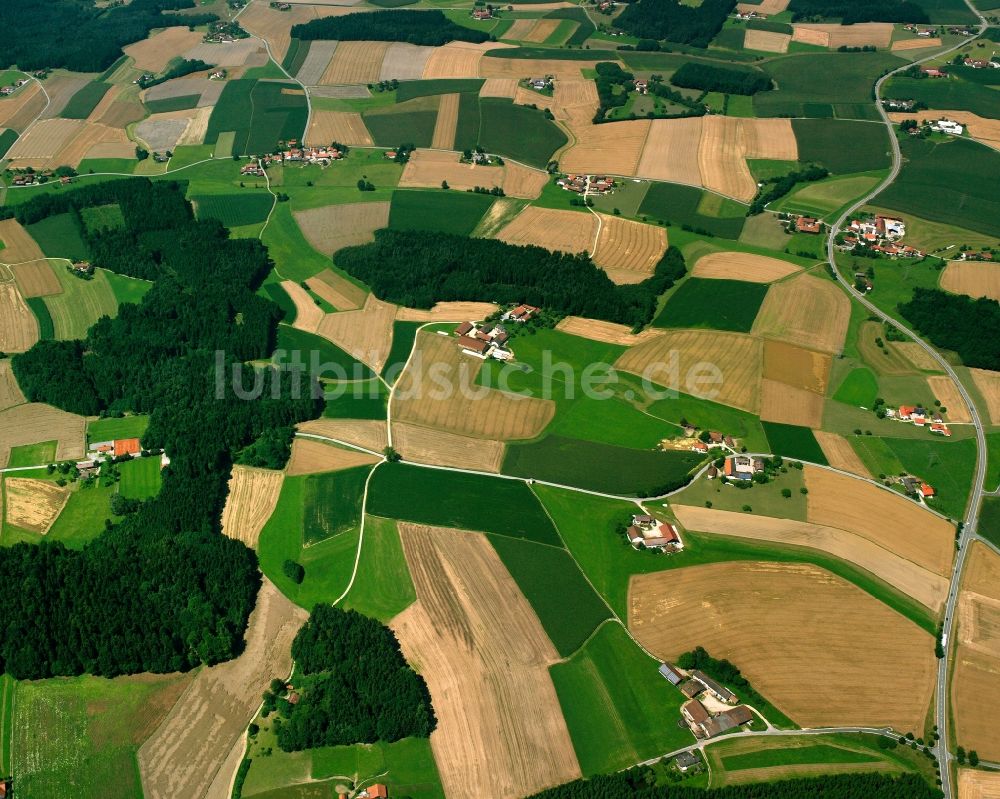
(989, 520)
(859, 388)
(141, 478)
(321, 357)
(85, 100)
(946, 465)
(953, 94)
(792, 441)
(411, 89)
(822, 141)
(383, 587)
(765, 499)
(822, 198)
(295, 56)
(7, 688)
(259, 114)
(513, 131)
(233, 210)
(125, 427)
(411, 122)
(46, 328)
(127, 289)
(83, 517)
(277, 295)
(32, 454)
(58, 237)
(457, 499)
(332, 503)
(172, 104)
(403, 336)
(406, 767)
(684, 206)
(716, 304)
(7, 139)
(456, 212)
(356, 400)
(81, 303)
(790, 756)
(97, 217)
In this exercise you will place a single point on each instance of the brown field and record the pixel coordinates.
(599, 330)
(253, 493)
(454, 60)
(944, 389)
(275, 26)
(316, 61)
(96, 141)
(444, 125)
(878, 34)
(766, 41)
(343, 126)
(978, 784)
(571, 93)
(542, 29)
(915, 354)
(308, 314)
(484, 654)
(902, 357)
(333, 227)
(767, 8)
(340, 292)
(722, 159)
(613, 147)
(988, 384)
(36, 279)
(19, 247)
(523, 181)
(916, 44)
(404, 61)
(737, 357)
(188, 749)
(17, 111)
(499, 87)
(33, 504)
(808, 35)
(780, 402)
(763, 618)
(18, 325)
(743, 266)
(355, 62)
(60, 89)
(671, 151)
(427, 168)
(425, 445)
(105, 103)
(806, 310)
(464, 409)
(840, 453)
(45, 139)
(10, 392)
(769, 138)
(153, 54)
(163, 131)
(974, 279)
(123, 111)
(628, 251)
(492, 67)
(365, 433)
(796, 367)
(196, 130)
(310, 456)
(231, 55)
(55, 142)
(33, 422)
(882, 516)
(366, 333)
(454, 311)
(520, 29)
(558, 231)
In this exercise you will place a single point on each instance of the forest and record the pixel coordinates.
(167, 356)
(851, 11)
(419, 268)
(416, 27)
(674, 21)
(959, 323)
(710, 78)
(77, 35)
(354, 685)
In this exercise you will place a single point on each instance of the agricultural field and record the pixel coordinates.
(686, 205)
(259, 113)
(234, 210)
(720, 304)
(441, 211)
(31, 423)
(250, 500)
(58, 237)
(80, 304)
(140, 478)
(332, 502)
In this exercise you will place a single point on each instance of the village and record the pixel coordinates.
(587, 184)
(880, 235)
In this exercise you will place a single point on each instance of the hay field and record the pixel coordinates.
(153, 54)
(33, 504)
(188, 749)
(915, 44)
(671, 151)
(45, 139)
(355, 62)
(33, 422)
(333, 227)
(475, 639)
(840, 453)
(520, 29)
(763, 618)
(574, 93)
(944, 389)
(882, 516)
(232, 54)
(275, 26)
(614, 147)
(628, 251)
(454, 60)
(925, 587)
(833, 36)
(55, 142)
(795, 366)
(105, 104)
(445, 122)
(18, 325)
(310, 456)
(253, 493)
(344, 126)
(737, 357)
(492, 67)
(366, 334)
(988, 384)
(766, 41)
(308, 314)
(340, 292)
(451, 311)
(18, 244)
(365, 433)
(425, 445)
(17, 111)
(10, 392)
(780, 402)
(972, 278)
(523, 181)
(36, 279)
(809, 311)
(95, 141)
(767, 7)
(460, 406)
(915, 354)
(610, 332)
(769, 138)
(405, 61)
(555, 230)
(500, 87)
(743, 266)
(722, 159)
(974, 784)
(427, 168)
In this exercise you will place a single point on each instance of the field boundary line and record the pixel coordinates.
(361, 535)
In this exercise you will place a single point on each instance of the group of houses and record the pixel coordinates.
(708, 440)
(745, 15)
(918, 416)
(483, 13)
(737, 467)
(702, 722)
(540, 84)
(13, 87)
(980, 63)
(280, 6)
(587, 184)
(969, 255)
(484, 340)
(882, 235)
(924, 33)
(916, 487)
(648, 532)
(99, 451)
(323, 156)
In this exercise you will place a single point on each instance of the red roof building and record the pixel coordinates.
(474, 345)
(377, 791)
(806, 224)
(926, 491)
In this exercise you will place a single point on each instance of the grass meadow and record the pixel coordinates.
(860, 387)
(953, 94)
(81, 303)
(141, 478)
(259, 113)
(58, 237)
(396, 126)
(716, 304)
(332, 503)
(682, 206)
(438, 210)
(383, 587)
(821, 141)
(792, 441)
(46, 327)
(411, 89)
(32, 454)
(364, 400)
(7, 139)
(403, 336)
(408, 765)
(82, 519)
(97, 217)
(127, 289)
(234, 210)
(7, 689)
(85, 100)
(183, 103)
(989, 520)
(304, 347)
(125, 427)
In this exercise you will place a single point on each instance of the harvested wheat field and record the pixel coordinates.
(308, 314)
(915, 354)
(340, 292)
(44, 140)
(153, 54)
(780, 402)
(364, 433)
(228, 55)
(344, 126)
(944, 389)
(678, 359)
(18, 325)
(33, 504)
(184, 755)
(972, 278)
(882, 516)
(484, 654)
(425, 445)
(10, 392)
(310, 456)
(333, 227)
(105, 104)
(833, 36)
(988, 384)
(520, 29)
(18, 111)
(743, 266)
(493, 67)
(916, 44)
(763, 617)
(452, 311)
(766, 41)
(462, 407)
(33, 422)
(19, 247)
(809, 35)
(628, 251)
(275, 26)
(925, 587)
(355, 62)
(427, 168)
(599, 330)
(840, 453)
(36, 279)
(95, 141)
(978, 784)
(809, 311)
(405, 61)
(555, 230)
(613, 147)
(315, 62)
(671, 151)
(196, 130)
(722, 159)
(767, 7)
(365, 334)
(444, 124)
(573, 93)
(253, 493)
(523, 181)
(795, 366)
(499, 87)
(454, 60)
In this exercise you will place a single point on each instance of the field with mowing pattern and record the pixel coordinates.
(81, 303)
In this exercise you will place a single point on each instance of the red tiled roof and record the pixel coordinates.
(473, 344)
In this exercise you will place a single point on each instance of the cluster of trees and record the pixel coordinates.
(160, 590)
(957, 322)
(711, 78)
(419, 268)
(80, 36)
(777, 187)
(271, 450)
(185, 67)
(673, 21)
(614, 83)
(356, 686)
(723, 671)
(416, 27)
(851, 11)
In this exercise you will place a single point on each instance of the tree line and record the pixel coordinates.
(851, 11)
(970, 327)
(430, 27)
(419, 268)
(777, 187)
(710, 78)
(673, 21)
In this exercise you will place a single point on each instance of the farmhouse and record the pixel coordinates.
(980, 63)
(720, 692)
(647, 532)
(940, 429)
(926, 491)
(670, 674)
(932, 72)
(948, 126)
(743, 467)
(483, 13)
(695, 715)
(376, 791)
(691, 688)
(520, 313)
(727, 720)
(807, 224)
(642, 86)
(484, 340)
(686, 760)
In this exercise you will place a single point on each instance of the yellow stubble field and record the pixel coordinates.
(253, 493)
(806, 310)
